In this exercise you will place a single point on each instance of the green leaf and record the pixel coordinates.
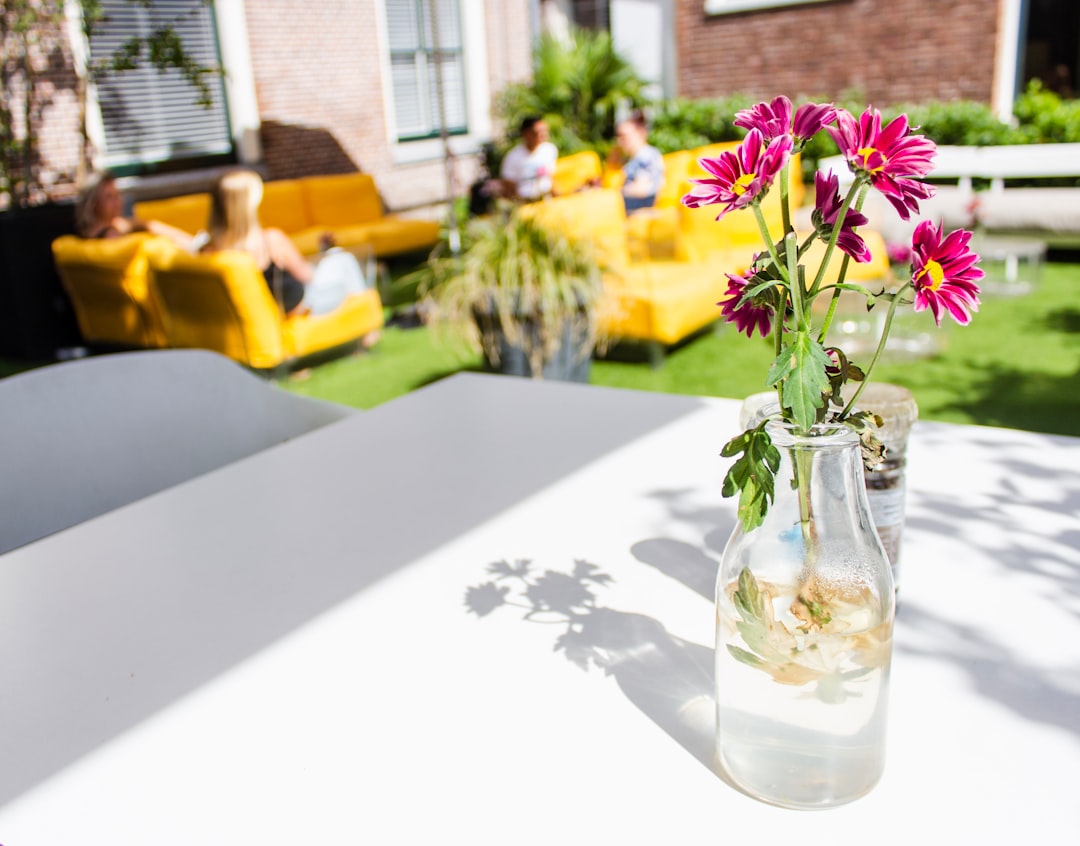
(752, 474)
(801, 367)
(741, 654)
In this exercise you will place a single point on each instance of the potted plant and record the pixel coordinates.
(525, 295)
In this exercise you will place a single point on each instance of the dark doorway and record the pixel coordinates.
(1052, 46)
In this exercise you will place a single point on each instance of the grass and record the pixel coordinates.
(1017, 364)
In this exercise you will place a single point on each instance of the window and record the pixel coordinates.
(424, 56)
(591, 14)
(152, 119)
(723, 7)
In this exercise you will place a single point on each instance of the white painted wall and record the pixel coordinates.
(643, 32)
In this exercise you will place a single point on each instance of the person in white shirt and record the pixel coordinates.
(527, 170)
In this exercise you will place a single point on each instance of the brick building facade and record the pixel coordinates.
(307, 91)
(884, 51)
(320, 92)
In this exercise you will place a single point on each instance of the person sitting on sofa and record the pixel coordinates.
(99, 213)
(527, 170)
(644, 165)
(297, 285)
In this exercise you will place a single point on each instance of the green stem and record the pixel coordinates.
(839, 225)
(766, 236)
(803, 466)
(785, 211)
(877, 353)
(833, 302)
(799, 299)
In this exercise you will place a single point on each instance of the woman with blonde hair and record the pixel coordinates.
(296, 284)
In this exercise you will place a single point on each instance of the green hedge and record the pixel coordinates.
(1040, 117)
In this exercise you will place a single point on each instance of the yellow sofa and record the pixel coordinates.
(656, 301)
(142, 292)
(656, 232)
(576, 171)
(221, 302)
(108, 285)
(345, 206)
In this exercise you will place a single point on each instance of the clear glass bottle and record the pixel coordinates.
(804, 617)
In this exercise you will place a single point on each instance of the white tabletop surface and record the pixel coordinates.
(314, 646)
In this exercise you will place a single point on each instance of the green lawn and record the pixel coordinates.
(1016, 365)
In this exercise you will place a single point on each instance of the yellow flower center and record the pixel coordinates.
(935, 272)
(868, 153)
(742, 183)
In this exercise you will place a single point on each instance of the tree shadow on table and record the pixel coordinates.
(1050, 552)
(994, 671)
(668, 678)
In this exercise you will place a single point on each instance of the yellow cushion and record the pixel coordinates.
(597, 214)
(220, 301)
(357, 316)
(676, 168)
(106, 280)
(613, 177)
(341, 200)
(309, 241)
(663, 301)
(699, 235)
(576, 171)
(390, 236)
(283, 206)
(190, 212)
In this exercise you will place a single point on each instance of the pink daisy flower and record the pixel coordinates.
(894, 159)
(747, 315)
(827, 205)
(775, 119)
(740, 176)
(944, 273)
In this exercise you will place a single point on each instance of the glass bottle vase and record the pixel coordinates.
(804, 617)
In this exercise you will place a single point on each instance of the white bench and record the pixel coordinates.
(1049, 214)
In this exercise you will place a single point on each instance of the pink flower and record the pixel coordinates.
(899, 253)
(740, 176)
(747, 315)
(827, 207)
(774, 119)
(894, 159)
(944, 273)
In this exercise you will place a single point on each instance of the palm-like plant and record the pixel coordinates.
(517, 285)
(577, 85)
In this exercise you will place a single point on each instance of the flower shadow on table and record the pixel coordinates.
(669, 679)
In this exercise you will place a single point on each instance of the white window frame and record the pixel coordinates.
(240, 98)
(477, 93)
(728, 7)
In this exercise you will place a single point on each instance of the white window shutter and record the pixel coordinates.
(414, 67)
(152, 116)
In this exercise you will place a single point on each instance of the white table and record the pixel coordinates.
(280, 652)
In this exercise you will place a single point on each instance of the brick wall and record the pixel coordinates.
(885, 51)
(54, 112)
(318, 78)
(318, 84)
